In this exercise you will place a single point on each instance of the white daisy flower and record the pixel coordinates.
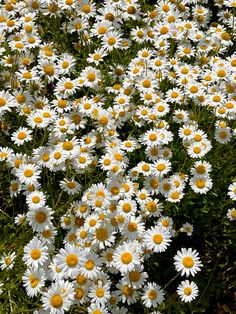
(187, 290)
(187, 262)
(157, 239)
(153, 295)
(127, 256)
(35, 253)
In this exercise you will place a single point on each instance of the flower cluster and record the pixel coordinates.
(95, 112)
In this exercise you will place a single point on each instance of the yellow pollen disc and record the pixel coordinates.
(68, 85)
(201, 169)
(188, 262)
(152, 294)
(89, 265)
(83, 234)
(175, 195)
(40, 217)
(187, 291)
(126, 207)
(111, 41)
(82, 160)
(86, 9)
(56, 301)
(92, 222)
(103, 120)
(132, 226)
(34, 282)
(81, 280)
(127, 291)
(233, 213)
(161, 167)
(70, 185)
(21, 135)
(35, 254)
(67, 146)
(200, 183)
(151, 207)
(7, 260)
(38, 120)
(157, 238)
(100, 293)
(223, 134)
(91, 77)
(134, 276)
(72, 260)
(126, 258)
(49, 70)
(145, 167)
(28, 173)
(152, 137)
(101, 234)
(45, 157)
(197, 150)
(146, 83)
(79, 293)
(36, 199)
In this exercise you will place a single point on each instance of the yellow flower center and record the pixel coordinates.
(187, 291)
(89, 265)
(157, 238)
(28, 173)
(72, 260)
(40, 217)
(56, 301)
(134, 276)
(21, 135)
(188, 262)
(126, 258)
(132, 226)
(35, 254)
(100, 293)
(101, 234)
(67, 146)
(152, 294)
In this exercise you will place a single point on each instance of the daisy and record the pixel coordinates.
(33, 281)
(36, 200)
(133, 228)
(187, 228)
(70, 186)
(70, 259)
(157, 239)
(187, 290)
(91, 267)
(97, 56)
(231, 214)
(161, 167)
(135, 278)
(28, 173)
(201, 184)
(127, 293)
(21, 136)
(39, 218)
(99, 293)
(187, 262)
(59, 297)
(127, 256)
(223, 135)
(232, 191)
(153, 295)
(103, 237)
(152, 208)
(6, 102)
(111, 40)
(7, 261)
(35, 254)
